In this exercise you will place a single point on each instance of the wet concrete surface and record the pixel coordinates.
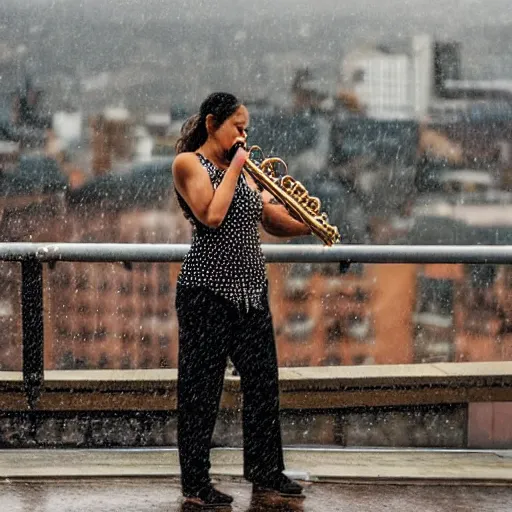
(326, 465)
(159, 495)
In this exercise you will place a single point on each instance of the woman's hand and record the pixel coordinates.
(240, 158)
(240, 143)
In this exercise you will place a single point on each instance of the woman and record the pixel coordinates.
(221, 301)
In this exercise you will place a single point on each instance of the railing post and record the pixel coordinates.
(32, 329)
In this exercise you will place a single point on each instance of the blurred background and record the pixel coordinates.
(397, 115)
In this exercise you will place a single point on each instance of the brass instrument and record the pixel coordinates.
(293, 195)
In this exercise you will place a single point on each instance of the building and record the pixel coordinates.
(463, 311)
(104, 315)
(323, 317)
(381, 81)
(118, 315)
(399, 80)
(447, 65)
(122, 316)
(114, 315)
(111, 139)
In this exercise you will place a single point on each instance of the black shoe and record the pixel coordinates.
(208, 497)
(280, 484)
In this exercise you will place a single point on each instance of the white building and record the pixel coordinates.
(392, 84)
(68, 126)
(422, 74)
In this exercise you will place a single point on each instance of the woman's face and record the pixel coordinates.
(233, 129)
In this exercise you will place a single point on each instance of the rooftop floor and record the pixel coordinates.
(342, 480)
(157, 495)
(315, 464)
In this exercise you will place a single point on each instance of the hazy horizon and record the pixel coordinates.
(467, 13)
(158, 48)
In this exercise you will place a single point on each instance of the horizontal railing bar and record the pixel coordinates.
(285, 253)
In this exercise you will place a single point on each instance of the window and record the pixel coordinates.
(100, 333)
(360, 328)
(297, 288)
(103, 361)
(507, 281)
(104, 286)
(147, 310)
(481, 276)
(125, 311)
(296, 285)
(62, 280)
(67, 361)
(433, 344)
(83, 309)
(301, 270)
(64, 334)
(434, 302)
(354, 327)
(164, 288)
(164, 362)
(329, 269)
(334, 331)
(361, 296)
(298, 363)
(82, 282)
(125, 288)
(63, 329)
(358, 76)
(332, 360)
(145, 363)
(127, 337)
(356, 269)
(299, 326)
(85, 334)
(164, 341)
(146, 339)
(163, 313)
(146, 267)
(480, 301)
(359, 359)
(126, 363)
(81, 363)
(145, 290)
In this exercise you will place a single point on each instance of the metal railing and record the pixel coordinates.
(274, 253)
(32, 257)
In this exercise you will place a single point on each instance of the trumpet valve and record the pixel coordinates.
(313, 205)
(286, 183)
(292, 194)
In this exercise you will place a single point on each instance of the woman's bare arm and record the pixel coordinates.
(209, 206)
(277, 221)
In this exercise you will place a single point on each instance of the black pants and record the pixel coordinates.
(210, 330)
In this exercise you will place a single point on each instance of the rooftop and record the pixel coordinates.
(334, 480)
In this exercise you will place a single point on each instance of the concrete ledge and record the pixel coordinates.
(336, 377)
(301, 388)
(405, 466)
(10, 377)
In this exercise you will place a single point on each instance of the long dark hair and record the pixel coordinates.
(193, 132)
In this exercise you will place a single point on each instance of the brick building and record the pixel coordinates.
(97, 315)
(114, 316)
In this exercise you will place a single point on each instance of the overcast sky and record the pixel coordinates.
(365, 20)
(478, 11)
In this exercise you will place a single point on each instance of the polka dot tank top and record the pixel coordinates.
(228, 260)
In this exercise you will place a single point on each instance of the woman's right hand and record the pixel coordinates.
(240, 142)
(239, 159)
